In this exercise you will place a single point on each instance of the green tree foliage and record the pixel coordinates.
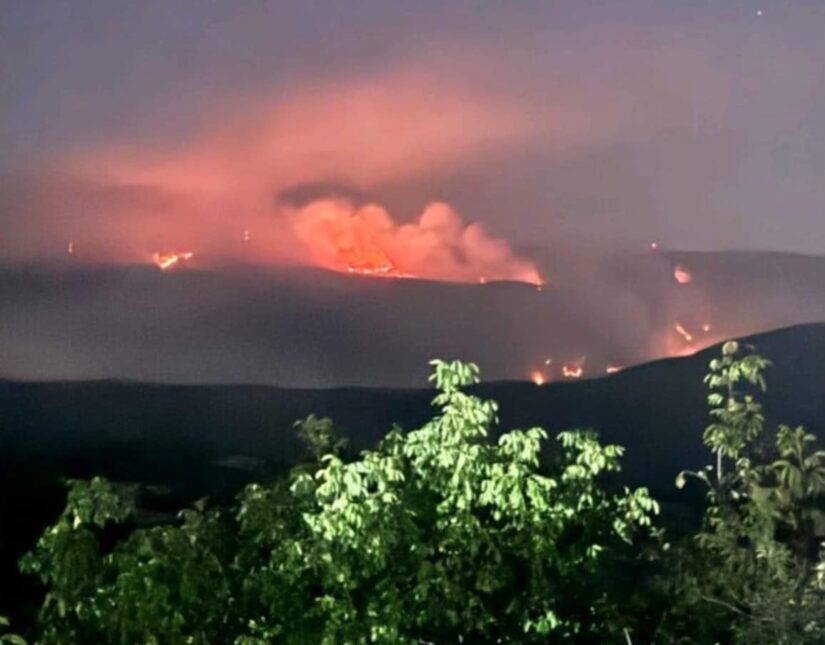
(438, 535)
(754, 573)
(8, 638)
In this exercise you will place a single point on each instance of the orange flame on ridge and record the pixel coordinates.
(166, 261)
(573, 369)
(537, 377)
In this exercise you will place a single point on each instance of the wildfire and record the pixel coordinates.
(437, 245)
(380, 266)
(537, 377)
(573, 370)
(70, 248)
(684, 333)
(612, 369)
(166, 261)
(682, 275)
(687, 338)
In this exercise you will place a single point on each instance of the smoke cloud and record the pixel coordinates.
(226, 191)
(437, 245)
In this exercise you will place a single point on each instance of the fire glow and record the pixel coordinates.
(682, 275)
(167, 261)
(573, 369)
(366, 240)
(684, 333)
(294, 167)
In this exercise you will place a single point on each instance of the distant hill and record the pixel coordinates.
(166, 432)
(208, 440)
(310, 328)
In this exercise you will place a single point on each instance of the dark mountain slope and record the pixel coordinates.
(138, 430)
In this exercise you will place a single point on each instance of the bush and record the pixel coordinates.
(438, 535)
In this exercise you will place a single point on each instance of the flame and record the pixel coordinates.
(573, 369)
(612, 369)
(537, 377)
(654, 246)
(682, 275)
(685, 339)
(70, 248)
(166, 261)
(365, 257)
(683, 333)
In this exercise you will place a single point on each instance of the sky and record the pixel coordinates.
(132, 127)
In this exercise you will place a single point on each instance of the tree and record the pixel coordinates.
(756, 565)
(437, 535)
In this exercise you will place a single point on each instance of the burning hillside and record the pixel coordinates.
(303, 326)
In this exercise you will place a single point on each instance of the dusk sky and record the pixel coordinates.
(132, 126)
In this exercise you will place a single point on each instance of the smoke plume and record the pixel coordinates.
(436, 245)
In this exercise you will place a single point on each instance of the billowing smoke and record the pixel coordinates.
(230, 189)
(436, 245)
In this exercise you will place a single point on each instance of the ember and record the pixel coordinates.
(684, 333)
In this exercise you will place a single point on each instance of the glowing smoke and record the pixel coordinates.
(226, 189)
(437, 245)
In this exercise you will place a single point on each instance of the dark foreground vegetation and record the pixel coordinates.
(444, 535)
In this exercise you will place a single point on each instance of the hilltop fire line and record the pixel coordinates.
(370, 260)
(166, 261)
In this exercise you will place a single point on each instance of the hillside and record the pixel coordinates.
(309, 328)
(139, 430)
